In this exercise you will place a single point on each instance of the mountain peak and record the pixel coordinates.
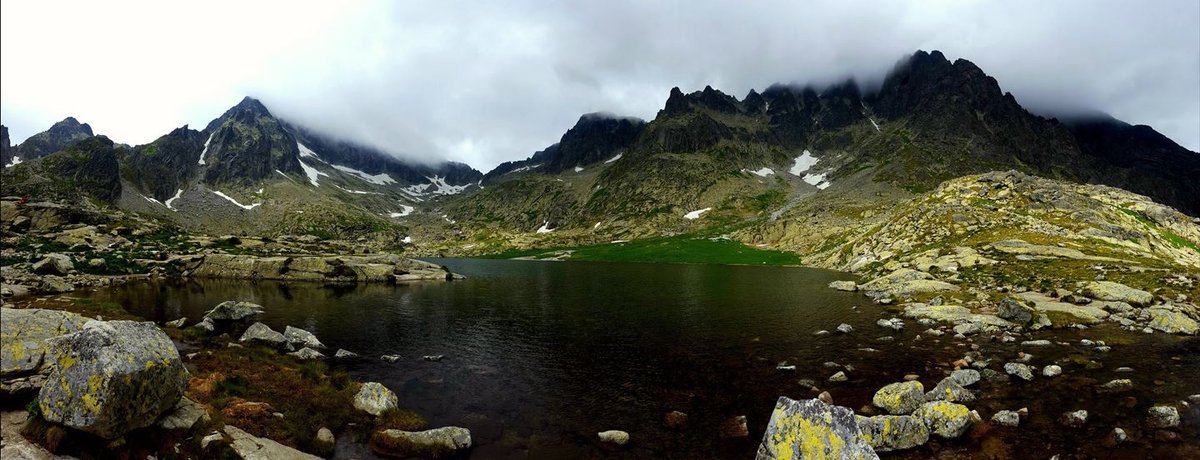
(70, 125)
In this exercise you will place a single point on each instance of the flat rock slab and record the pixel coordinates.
(250, 447)
(24, 334)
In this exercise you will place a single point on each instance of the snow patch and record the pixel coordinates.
(436, 186)
(377, 179)
(804, 162)
(618, 157)
(306, 152)
(521, 169)
(404, 211)
(545, 228)
(260, 190)
(407, 240)
(874, 123)
(312, 173)
(152, 200)
(205, 151)
(178, 193)
(693, 215)
(763, 172)
(578, 169)
(619, 241)
(231, 200)
(356, 192)
(15, 161)
(817, 179)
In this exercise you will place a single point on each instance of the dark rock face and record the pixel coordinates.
(87, 168)
(247, 145)
(58, 137)
(596, 137)
(161, 167)
(5, 147)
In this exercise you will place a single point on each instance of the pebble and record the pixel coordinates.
(1052, 371)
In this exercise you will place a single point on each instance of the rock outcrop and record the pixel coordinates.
(112, 377)
(350, 269)
(436, 443)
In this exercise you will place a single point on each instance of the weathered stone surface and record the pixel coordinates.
(1063, 314)
(1006, 418)
(1015, 311)
(112, 377)
(184, 416)
(1020, 370)
(1117, 292)
(51, 284)
(953, 314)
(965, 377)
(1052, 370)
(1115, 386)
(886, 433)
(262, 334)
(840, 376)
(1172, 322)
(307, 354)
(232, 310)
(847, 286)
(324, 443)
(344, 354)
(53, 264)
(900, 398)
(436, 443)
(374, 398)
(368, 268)
(812, 429)
(24, 334)
(1020, 247)
(250, 447)
(950, 390)
(301, 338)
(945, 419)
(845, 328)
(1162, 417)
(614, 437)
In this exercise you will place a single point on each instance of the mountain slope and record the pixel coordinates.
(58, 137)
(86, 169)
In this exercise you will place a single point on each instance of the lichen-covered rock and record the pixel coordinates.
(847, 286)
(1006, 418)
(950, 390)
(1020, 370)
(232, 310)
(1015, 311)
(812, 429)
(900, 398)
(886, 433)
(262, 334)
(436, 443)
(307, 354)
(1117, 292)
(374, 398)
(112, 377)
(250, 447)
(301, 338)
(51, 284)
(1162, 417)
(24, 334)
(945, 419)
(965, 377)
(1172, 322)
(614, 437)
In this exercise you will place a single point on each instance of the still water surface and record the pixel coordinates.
(540, 356)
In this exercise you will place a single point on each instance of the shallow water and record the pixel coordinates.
(540, 356)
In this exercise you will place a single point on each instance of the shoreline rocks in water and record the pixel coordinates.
(812, 429)
(386, 268)
(374, 398)
(436, 443)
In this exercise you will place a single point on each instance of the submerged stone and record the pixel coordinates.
(812, 429)
(436, 443)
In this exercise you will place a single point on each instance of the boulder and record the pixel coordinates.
(307, 354)
(24, 336)
(112, 377)
(262, 334)
(1172, 322)
(886, 433)
(1015, 311)
(51, 284)
(178, 323)
(614, 437)
(1115, 386)
(54, 264)
(1117, 292)
(344, 354)
(950, 390)
(945, 419)
(232, 310)
(1006, 418)
(436, 443)
(845, 328)
(847, 286)
(374, 398)
(1162, 417)
(900, 398)
(838, 377)
(324, 443)
(965, 377)
(1052, 370)
(812, 429)
(301, 338)
(184, 416)
(1020, 370)
(250, 447)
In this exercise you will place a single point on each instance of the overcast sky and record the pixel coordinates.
(485, 82)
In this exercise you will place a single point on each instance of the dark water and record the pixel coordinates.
(541, 356)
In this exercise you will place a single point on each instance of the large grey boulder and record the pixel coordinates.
(53, 264)
(232, 310)
(1172, 322)
(812, 429)
(374, 398)
(949, 389)
(893, 432)
(250, 447)
(900, 398)
(112, 377)
(1117, 292)
(436, 443)
(301, 338)
(24, 335)
(262, 334)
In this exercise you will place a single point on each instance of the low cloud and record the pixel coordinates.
(485, 82)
